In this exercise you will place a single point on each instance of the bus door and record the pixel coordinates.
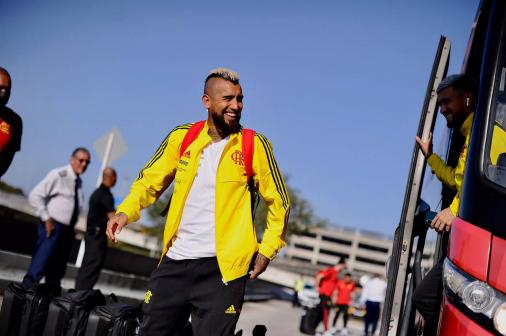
(403, 270)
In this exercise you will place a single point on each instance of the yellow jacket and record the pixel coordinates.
(450, 176)
(236, 240)
(498, 145)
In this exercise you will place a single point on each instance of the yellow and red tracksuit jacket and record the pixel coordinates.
(450, 176)
(236, 240)
(498, 143)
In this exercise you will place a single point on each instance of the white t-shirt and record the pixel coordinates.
(374, 290)
(195, 237)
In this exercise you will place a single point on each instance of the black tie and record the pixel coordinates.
(75, 213)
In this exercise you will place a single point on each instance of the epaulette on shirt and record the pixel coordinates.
(62, 173)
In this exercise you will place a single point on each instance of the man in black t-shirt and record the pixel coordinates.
(11, 125)
(100, 210)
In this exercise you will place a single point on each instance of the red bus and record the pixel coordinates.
(474, 295)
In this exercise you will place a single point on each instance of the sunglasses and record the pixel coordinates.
(81, 161)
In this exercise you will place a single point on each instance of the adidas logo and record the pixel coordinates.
(230, 310)
(187, 154)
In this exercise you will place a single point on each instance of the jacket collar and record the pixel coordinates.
(70, 171)
(205, 133)
(465, 129)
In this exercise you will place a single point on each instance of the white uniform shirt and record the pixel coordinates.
(374, 290)
(195, 237)
(53, 197)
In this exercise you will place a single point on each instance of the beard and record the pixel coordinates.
(450, 120)
(219, 122)
(4, 98)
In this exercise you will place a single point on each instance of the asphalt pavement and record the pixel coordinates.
(281, 319)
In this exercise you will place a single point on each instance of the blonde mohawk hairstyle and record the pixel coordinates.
(224, 73)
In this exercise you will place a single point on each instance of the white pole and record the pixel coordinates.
(105, 159)
(80, 254)
(105, 162)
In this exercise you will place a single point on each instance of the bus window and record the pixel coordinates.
(496, 149)
(498, 146)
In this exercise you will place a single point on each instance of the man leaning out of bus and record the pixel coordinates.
(456, 97)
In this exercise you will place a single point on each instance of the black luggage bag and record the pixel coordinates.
(68, 314)
(24, 311)
(12, 307)
(37, 300)
(310, 320)
(114, 319)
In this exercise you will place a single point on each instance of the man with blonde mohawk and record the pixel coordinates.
(210, 244)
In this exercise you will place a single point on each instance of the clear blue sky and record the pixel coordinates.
(337, 86)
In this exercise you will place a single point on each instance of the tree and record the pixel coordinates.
(301, 219)
(10, 189)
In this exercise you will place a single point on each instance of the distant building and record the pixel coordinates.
(366, 252)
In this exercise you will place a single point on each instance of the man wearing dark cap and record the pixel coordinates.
(11, 125)
(456, 97)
